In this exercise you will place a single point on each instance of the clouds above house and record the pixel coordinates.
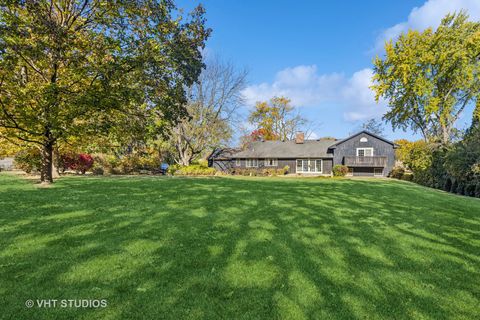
(429, 14)
(303, 84)
(307, 87)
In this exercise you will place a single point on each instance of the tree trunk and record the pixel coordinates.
(47, 163)
(445, 135)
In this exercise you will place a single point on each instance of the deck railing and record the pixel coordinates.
(376, 161)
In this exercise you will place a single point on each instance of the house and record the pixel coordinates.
(221, 159)
(364, 153)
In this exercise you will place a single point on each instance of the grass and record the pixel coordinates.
(238, 248)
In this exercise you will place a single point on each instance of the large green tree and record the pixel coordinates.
(68, 68)
(430, 77)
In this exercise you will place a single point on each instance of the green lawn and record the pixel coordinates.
(228, 248)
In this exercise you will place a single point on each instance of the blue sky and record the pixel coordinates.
(318, 53)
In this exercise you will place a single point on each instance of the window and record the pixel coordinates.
(238, 162)
(378, 172)
(251, 163)
(309, 166)
(364, 152)
(363, 139)
(270, 162)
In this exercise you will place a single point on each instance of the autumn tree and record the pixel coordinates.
(277, 119)
(8, 147)
(429, 77)
(211, 110)
(77, 67)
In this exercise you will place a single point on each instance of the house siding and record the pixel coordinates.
(381, 148)
(281, 163)
(222, 165)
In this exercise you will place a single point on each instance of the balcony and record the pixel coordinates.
(377, 161)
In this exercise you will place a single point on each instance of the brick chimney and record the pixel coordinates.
(299, 137)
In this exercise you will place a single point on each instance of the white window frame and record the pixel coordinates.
(274, 162)
(378, 175)
(364, 151)
(238, 162)
(251, 163)
(309, 165)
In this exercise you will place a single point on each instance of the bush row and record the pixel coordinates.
(266, 172)
(30, 160)
(133, 163)
(194, 170)
(454, 168)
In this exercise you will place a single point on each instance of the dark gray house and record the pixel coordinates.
(364, 153)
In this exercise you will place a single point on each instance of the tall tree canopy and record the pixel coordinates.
(429, 77)
(277, 119)
(67, 67)
(211, 107)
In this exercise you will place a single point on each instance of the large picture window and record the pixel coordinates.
(309, 166)
(251, 163)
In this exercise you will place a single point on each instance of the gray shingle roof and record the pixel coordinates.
(287, 149)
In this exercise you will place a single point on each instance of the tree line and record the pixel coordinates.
(429, 80)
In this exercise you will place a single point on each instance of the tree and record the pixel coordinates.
(277, 119)
(463, 160)
(7, 147)
(430, 77)
(415, 155)
(374, 126)
(71, 67)
(211, 107)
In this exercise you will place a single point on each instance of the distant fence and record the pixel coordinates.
(6, 164)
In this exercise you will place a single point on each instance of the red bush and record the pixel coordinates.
(78, 162)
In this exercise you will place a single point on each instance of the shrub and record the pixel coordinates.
(461, 188)
(195, 170)
(83, 163)
(340, 170)
(470, 189)
(454, 186)
(286, 169)
(448, 184)
(97, 169)
(269, 172)
(477, 190)
(29, 160)
(173, 169)
(407, 177)
(397, 172)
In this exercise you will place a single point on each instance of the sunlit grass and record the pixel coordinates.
(229, 248)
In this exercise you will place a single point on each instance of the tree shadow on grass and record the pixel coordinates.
(239, 248)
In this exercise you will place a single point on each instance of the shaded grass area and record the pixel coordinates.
(238, 248)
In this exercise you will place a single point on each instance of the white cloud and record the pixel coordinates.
(359, 99)
(302, 84)
(307, 88)
(312, 136)
(429, 14)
